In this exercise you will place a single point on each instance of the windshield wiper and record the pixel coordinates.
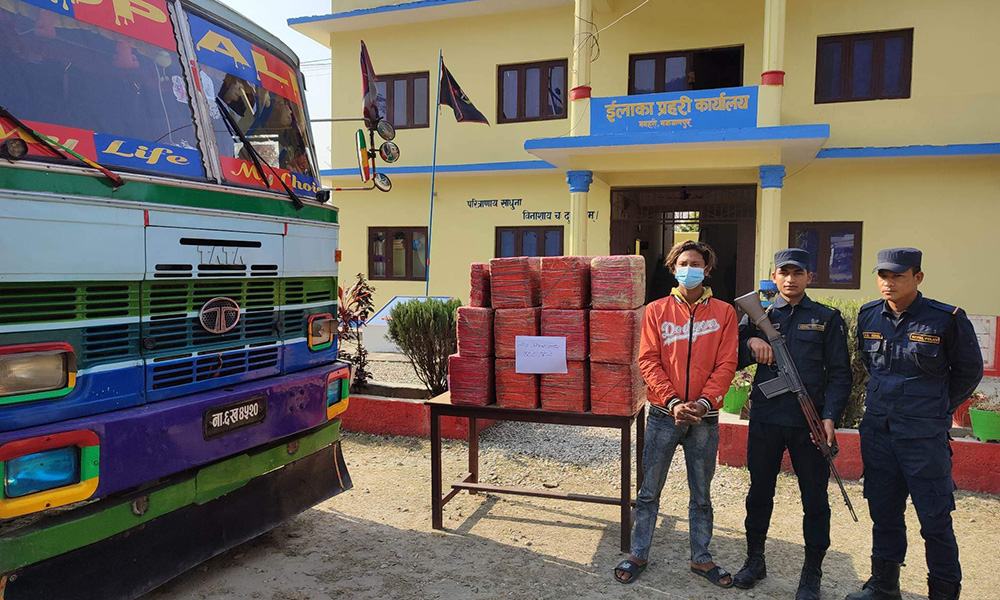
(234, 129)
(50, 144)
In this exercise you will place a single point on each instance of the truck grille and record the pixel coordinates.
(176, 298)
(112, 341)
(173, 306)
(222, 365)
(308, 291)
(44, 302)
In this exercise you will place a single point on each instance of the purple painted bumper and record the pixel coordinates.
(142, 444)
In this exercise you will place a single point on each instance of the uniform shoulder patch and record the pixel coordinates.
(948, 308)
(812, 327)
(925, 338)
(871, 305)
(826, 313)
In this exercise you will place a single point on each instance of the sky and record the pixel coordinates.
(273, 16)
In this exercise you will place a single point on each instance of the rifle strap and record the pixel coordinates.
(763, 317)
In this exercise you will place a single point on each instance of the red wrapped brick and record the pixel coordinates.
(567, 392)
(475, 331)
(617, 282)
(470, 380)
(614, 335)
(572, 325)
(616, 389)
(515, 282)
(566, 281)
(479, 294)
(515, 390)
(508, 323)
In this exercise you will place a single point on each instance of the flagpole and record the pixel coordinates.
(434, 155)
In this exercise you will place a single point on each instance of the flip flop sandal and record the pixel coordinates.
(715, 574)
(632, 568)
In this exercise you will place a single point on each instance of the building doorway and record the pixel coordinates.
(648, 221)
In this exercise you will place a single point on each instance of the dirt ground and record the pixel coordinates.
(376, 541)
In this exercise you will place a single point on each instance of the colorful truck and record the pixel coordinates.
(169, 382)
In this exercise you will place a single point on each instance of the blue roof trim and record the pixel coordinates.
(810, 131)
(516, 165)
(911, 151)
(360, 12)
(742, 134)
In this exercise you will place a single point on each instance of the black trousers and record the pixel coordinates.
(921, 469)
(766, 446)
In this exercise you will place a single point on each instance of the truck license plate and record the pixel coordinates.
(220, 420)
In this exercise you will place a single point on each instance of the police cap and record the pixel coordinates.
(792, 256)
(898, 260)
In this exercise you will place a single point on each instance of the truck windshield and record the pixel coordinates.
(102, 78)
(264, 97)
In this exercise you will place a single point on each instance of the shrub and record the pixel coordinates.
(425, 331)
(856, 404)
(353, 311)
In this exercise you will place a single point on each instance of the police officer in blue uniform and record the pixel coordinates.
(817, 340)
(924, 361)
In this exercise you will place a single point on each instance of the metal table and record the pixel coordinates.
(441, 406)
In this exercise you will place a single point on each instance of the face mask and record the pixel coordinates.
(690, 277)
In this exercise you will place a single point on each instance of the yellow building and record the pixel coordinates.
(618, 126)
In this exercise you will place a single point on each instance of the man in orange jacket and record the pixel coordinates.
(687, 355)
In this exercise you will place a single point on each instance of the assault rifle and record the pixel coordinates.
(788, 380)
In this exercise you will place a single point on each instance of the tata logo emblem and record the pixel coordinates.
(220, 255)
(219, 315)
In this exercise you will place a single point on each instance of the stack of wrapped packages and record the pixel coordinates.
(593, 302)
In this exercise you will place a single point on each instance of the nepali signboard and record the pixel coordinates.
(721, 108)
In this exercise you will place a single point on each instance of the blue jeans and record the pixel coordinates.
(701, 446)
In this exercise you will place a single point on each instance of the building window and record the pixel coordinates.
(685, 70)
(397, 253)
(864, 66)
(404, 99)
(529, 241)
(531, 91)
(834, 251)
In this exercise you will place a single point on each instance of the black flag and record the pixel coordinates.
(453, 96)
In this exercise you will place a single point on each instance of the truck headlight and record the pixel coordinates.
(48, 471)
(40, 370)
(322, 331)
(41, 472)
(338, 386)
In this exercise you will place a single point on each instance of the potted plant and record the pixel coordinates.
(739, 391)
(960, 418)
(985, 416)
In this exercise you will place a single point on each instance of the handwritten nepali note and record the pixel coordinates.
(539, 354)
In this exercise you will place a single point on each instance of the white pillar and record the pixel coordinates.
(769, 238)
(579, 104)
(772, 79)
(579, 187)
(581, 55)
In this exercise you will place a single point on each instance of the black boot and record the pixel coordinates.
(754, 568)
(942, 590)
(883, 584)
(812, 573)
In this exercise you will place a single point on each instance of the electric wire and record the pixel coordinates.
(593, 41)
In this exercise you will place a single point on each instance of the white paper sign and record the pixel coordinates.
(986, 330)
(539, 354)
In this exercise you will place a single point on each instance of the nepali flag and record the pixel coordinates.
(453, 96)
(369, 98)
